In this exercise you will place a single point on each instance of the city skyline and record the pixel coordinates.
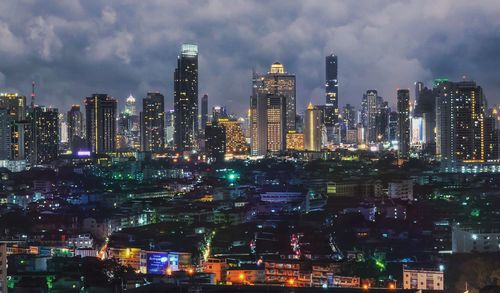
(118, 58)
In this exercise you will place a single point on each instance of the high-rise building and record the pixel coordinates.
(235, 139)
(332, 90)
(186, 99)
(74, 119)
(215, 142)
(460, 124)
(169, 128)
(275, 122)
(294, 141)
(266, 115)
(312, 130)
(382, 120)
(204, 112)
(349, 116)
(372, 108)
(100, 119)
(392, 129)
(5, 134)
(403, 101)
(63, 132)
(218, 112)
(153, 123)
(278, 82)
(45, 125)
(130, 107)
(15, 105)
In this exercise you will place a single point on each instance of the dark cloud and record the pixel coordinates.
(77, 47)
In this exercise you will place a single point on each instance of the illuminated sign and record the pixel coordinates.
(83, 153)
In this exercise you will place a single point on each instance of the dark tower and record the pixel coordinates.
(186, 99)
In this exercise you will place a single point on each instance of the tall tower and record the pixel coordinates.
(371, 115)
(153, 123)
(46, 124)
(130, 107)
(204, 112)
(312, 130)
(100, 118)
(74, 119)
(460, 124)
(186, 99)
(332, 90)
(403, 101)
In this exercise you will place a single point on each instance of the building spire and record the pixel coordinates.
(32, 94)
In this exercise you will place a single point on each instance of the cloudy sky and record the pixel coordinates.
(73, 48)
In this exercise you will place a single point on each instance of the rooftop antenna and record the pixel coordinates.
(32, 94)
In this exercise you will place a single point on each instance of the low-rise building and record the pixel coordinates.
(423, 279)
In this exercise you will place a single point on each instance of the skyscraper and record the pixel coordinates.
(371, 115)
(169, 128)
(235, 139)
(153, 123)
(5, 134)
(215, 142)
(186, 99)
(46, 134)
(100, 118)
(15, 105)
(275, 123)
(312, 130)
(332, 91)
(204, 112)
(403, 100)
(267, 90)
(130, 107)
(460, 124)
(74, 119)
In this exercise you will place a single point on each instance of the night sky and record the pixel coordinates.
(75, 48)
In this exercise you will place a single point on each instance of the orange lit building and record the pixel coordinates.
(235, 139)
(294, 141)
(246, 276)
(216, 266)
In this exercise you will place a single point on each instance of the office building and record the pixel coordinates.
(204, 112)
(215, 142)
(294, 141)
(186, 99)
(469, 239)
(460, 124)
(372, 108)
(218, 112)
(100, 119)
(169, 128)
(278, 82)
(275, 123)
(235, 140)
(312, 130)
(45, 129)
(130, 106)
(5, 134)
(153, 123)
(403, 101)
(332, 89)
(74, 119)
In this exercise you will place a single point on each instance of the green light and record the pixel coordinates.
(475, 213)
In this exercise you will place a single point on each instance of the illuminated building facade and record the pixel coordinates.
(276, 120)
(45, 125)
(153, 123)
(74, 119)
(100, 114)
(15, 105)
(235, 139)
(312, 130)
(215, 142)
(332, 90)
(294, 141)
(403, 101)
(5, 134)
(186, 99)
(460, 124)
(371, 115)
